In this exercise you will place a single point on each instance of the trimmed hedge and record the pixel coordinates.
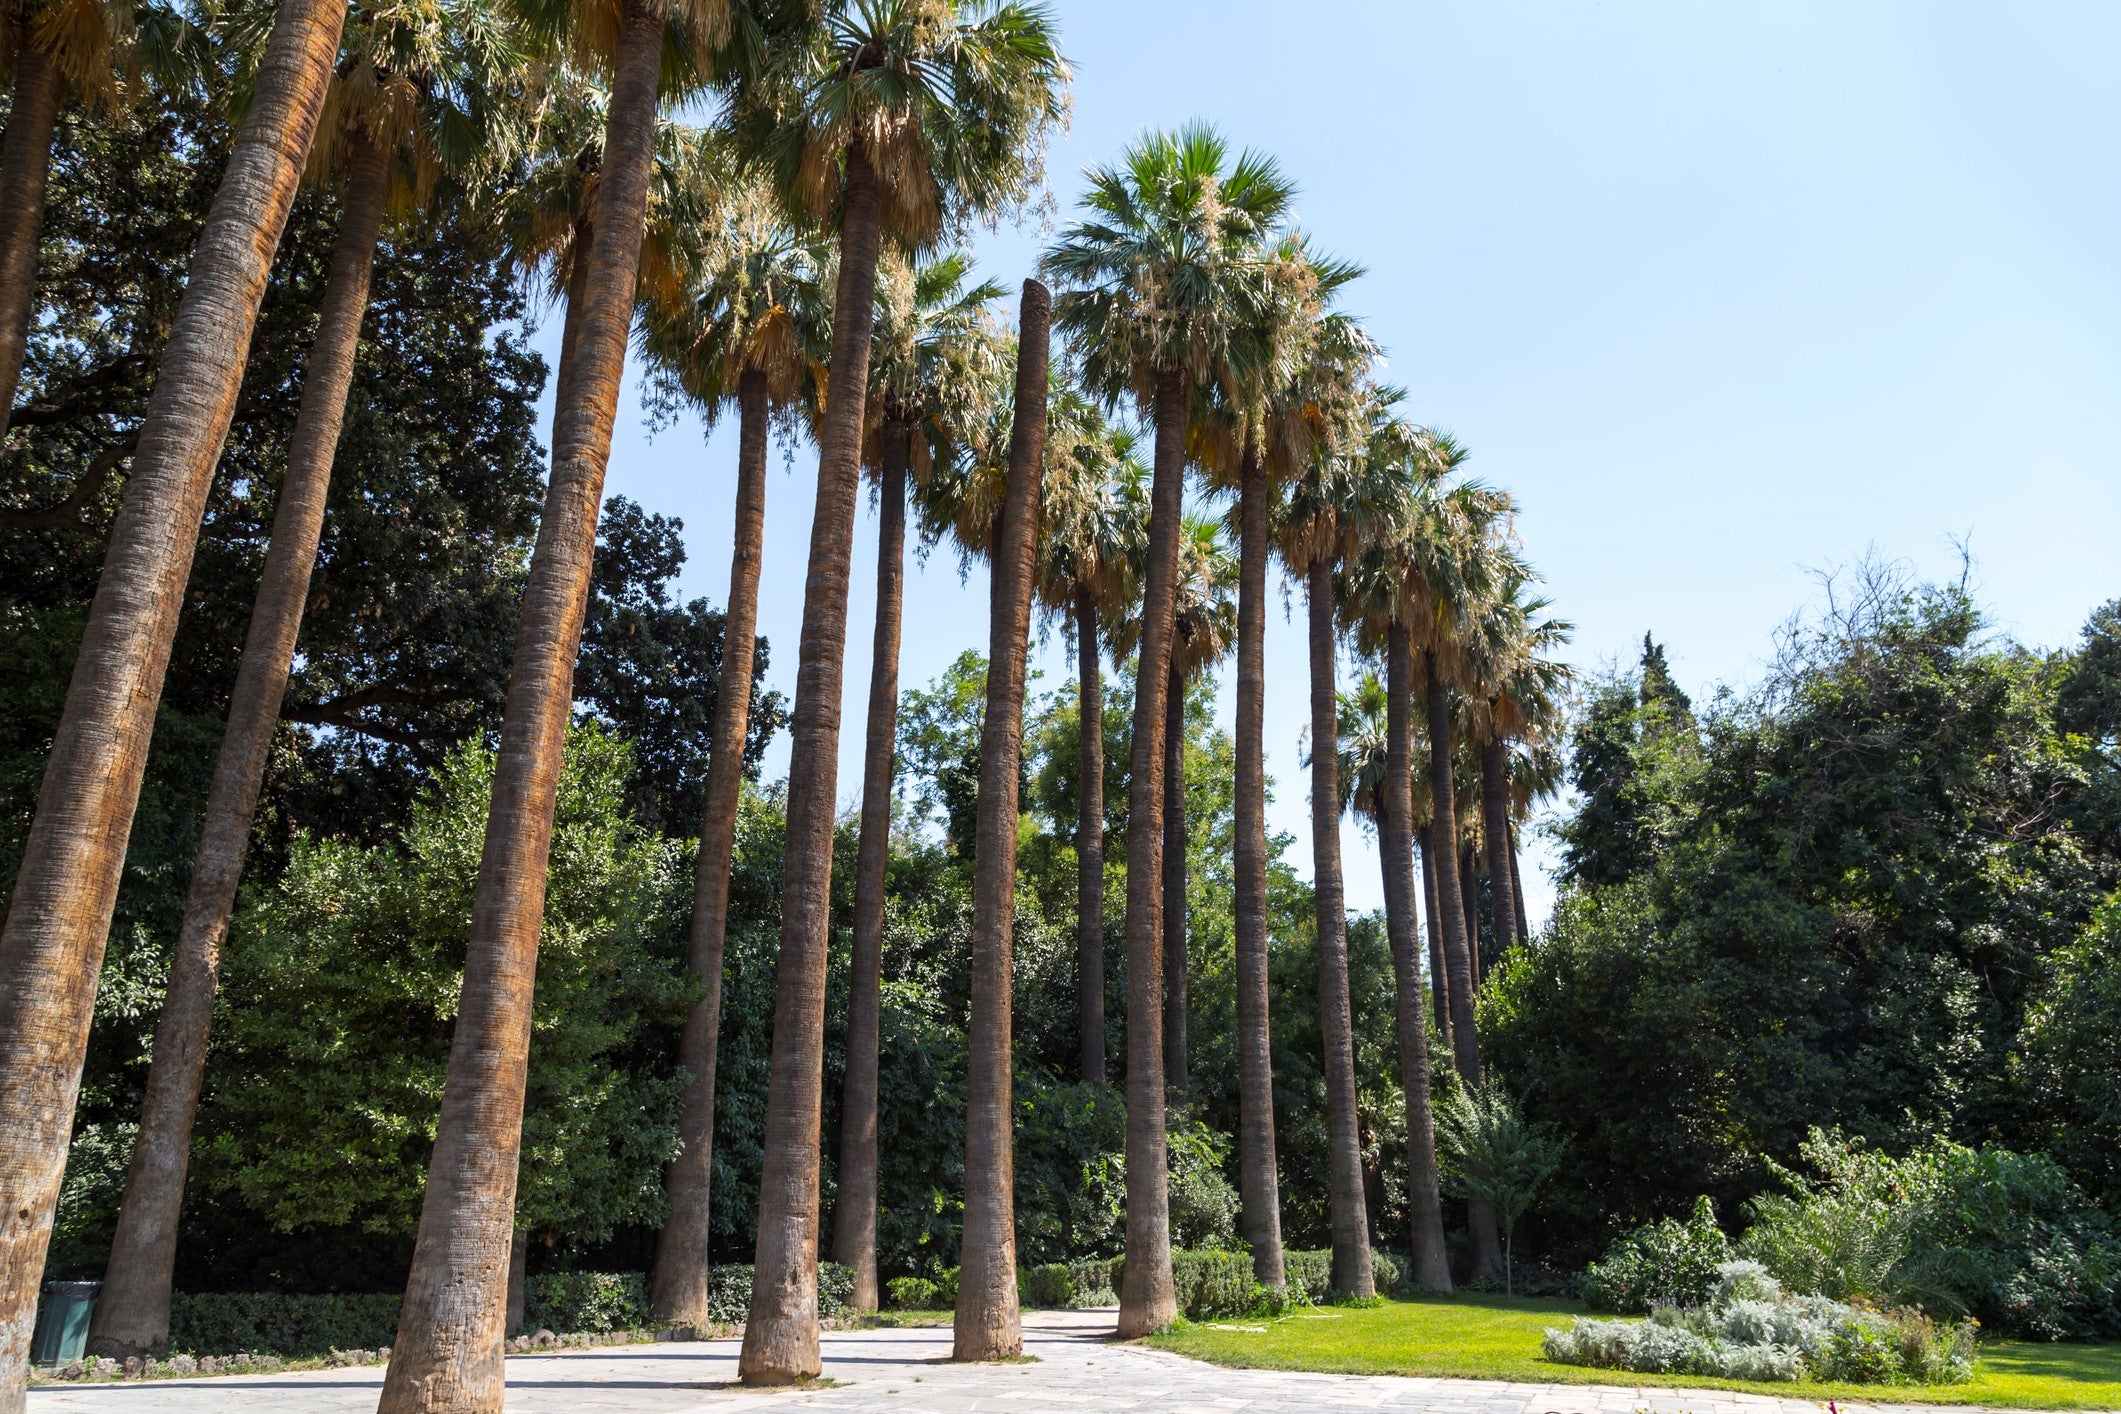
(729, 1291)
(1055, 1286)
(1215, 1284)
(584, 1302)
(288, 1324)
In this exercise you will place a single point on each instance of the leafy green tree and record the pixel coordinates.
(2067, 1060)
(1858, 869)
(1494, 1156)
(324, 1089)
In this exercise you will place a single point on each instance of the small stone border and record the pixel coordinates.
(105, 1370)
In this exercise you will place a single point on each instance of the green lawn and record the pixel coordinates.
(1497, 1338)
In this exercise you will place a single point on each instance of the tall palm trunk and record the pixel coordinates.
(781, 1338)
(1495, 808)
(1395, 841)
(1457, 946)
(1090, 839)
(1439, 974)
(679, 1295)
(1524, 924)
(1148, 1301)
(132, 1313)
(447, 1355)
(1174, 883)
(1469, 893)
(58, 918)
(25, 168)
(989, 1324)
(1258, 1186)
(1345, 1201)
(854, 1219)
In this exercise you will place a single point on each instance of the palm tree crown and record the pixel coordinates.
(949, 105)
(1171, 263)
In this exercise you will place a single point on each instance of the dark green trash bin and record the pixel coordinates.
(62, 1322)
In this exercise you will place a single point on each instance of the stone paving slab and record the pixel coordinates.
(1078, 1368)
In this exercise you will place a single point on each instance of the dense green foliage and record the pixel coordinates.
(1862, 894)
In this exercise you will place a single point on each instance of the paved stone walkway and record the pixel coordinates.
(1077, 1368)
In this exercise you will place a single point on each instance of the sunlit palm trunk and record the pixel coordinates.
(1174, 886)
(58, 918)
(1457, 946)
(988, 1324)
(854, 1217)
(25, 169)
(1395, 840)
(447, 1355)
(679, 1294)
(132, 1311)
(1147, 1299)
(1259, 1186)
(781, 1336)
(1495, 808)
(1348, 1210)
(1090, 839)
(1439, 974)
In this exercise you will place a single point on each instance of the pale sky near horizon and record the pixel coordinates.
(1725, 294)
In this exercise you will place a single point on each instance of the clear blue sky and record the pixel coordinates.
(1725, 293)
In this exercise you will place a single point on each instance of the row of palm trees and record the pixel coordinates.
(777, 264)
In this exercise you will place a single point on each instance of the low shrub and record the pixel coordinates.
(1752, 1330)
(571, 1302)
(1667, 1263)
(2004, 1237)
(913, 1294)
(288, 1324)
(1067, 1286)
(1310, 1273)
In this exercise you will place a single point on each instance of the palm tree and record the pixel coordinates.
(1441, 556)
(1254, 430)
(749, 332)
(933, 359)
(898, 117)
(58, 917)
(448, 1350)
(1095, 509)
(1204, 626)
(1514, 681)
(408, 82)
(1328, 505)
(1385, 767)
(988, 1322)
(91, 48)
(1162, 271)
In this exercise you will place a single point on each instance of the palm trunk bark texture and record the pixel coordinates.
(854, 1217)
(988, 1320)
(58, 918)
(1148, 1301)
(1395, 838)
(1259, 1186)
(25, 171)
(448, 1351)
(132, 1311)
(678, 1296)
(1175, 885)
(1347, 1207)
(1090, 839)
(781, 1336)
